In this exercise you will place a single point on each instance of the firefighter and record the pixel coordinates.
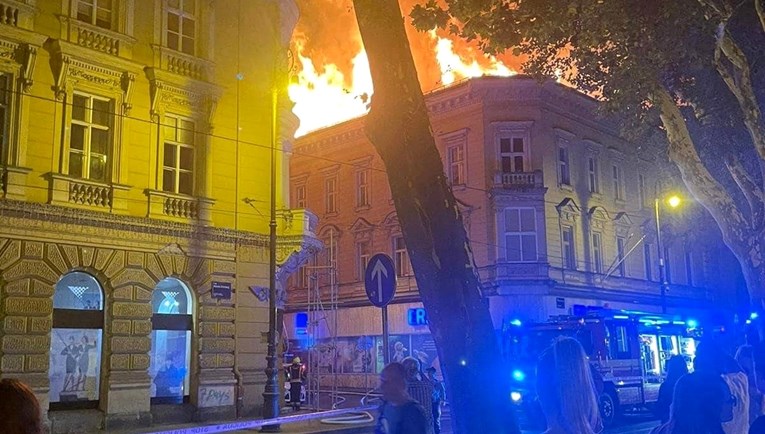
(296, 376)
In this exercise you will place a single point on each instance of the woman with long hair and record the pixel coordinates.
(566, 390)
(19, 409)
(700, 405)
(676, 368)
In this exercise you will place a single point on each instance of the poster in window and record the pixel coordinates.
(424, 350)
(75, 364)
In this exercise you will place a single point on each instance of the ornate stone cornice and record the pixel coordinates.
(21, 57)
(139, 225)
(200, 99)
(338, 139)
(71, 66)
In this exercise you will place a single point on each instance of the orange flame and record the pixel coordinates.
(322, 96)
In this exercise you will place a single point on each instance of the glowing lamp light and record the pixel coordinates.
(754, 315)
(463, 362)
(692, 323)
(516, 322)
(515, 396)
(519, 375)
(748, 322)
(674, 201)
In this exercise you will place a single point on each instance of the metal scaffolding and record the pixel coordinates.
(322, 303)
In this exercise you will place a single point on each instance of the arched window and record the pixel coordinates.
(75, 345)
(171, 342)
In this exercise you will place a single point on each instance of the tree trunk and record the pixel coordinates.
(458, 315)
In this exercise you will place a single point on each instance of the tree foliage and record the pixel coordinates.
(693, 68)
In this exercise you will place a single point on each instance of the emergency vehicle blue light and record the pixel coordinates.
(621, 317)
(519, 375)
(516, 322)
(692, 323)
(754, 315)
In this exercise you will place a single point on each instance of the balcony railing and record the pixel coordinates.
(90, 194)
(178, 207)
(9, 14)
(521, 179)
(86, 193)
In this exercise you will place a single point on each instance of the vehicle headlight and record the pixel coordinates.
(516, 396)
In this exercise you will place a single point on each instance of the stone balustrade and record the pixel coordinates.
(82, 192)
(96, 40)
(181, 207)
(9, 14)
(522, 179)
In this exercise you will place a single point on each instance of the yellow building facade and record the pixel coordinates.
(135, 146)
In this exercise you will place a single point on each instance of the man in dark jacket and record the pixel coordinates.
(399, 414)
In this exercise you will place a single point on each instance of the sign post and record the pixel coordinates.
(380, 285)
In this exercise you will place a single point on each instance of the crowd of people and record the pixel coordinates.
(723, 395)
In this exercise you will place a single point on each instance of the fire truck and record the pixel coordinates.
(627, 351)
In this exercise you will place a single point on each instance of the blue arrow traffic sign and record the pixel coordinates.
(380, 280)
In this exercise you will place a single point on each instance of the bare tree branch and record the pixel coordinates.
(752, 192)
(733, 67)
(759, 5)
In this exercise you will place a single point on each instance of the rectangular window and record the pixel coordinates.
(689, 268)
(569, 247)
(330, 195)
(564, 167)
(96, 12)
(521, 234)
(622, 267)
(647, 262)
(181, 25)
(592, 172)
(597, 252)
(618, 179)
(362, 258)
(300, 196)
(401, 257)
(178, 160)
(90, 137)
(331, 250)
(5, 111)
(641, 190)
(362, 188)
(512, 152)
(456, 162)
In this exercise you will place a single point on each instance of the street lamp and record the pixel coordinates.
(271, 392)
(673, 201)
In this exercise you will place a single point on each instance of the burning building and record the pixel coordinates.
(559, 209)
